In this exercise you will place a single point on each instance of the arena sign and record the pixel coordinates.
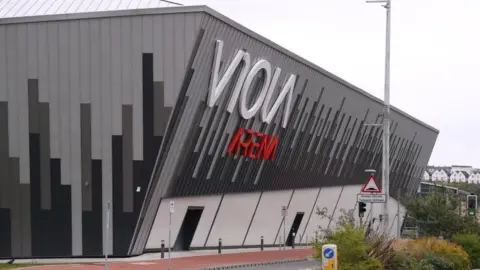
(243, 83)
(255, 145)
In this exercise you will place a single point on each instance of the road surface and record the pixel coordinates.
(307, 265)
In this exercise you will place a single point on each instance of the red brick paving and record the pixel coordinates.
(197, 262)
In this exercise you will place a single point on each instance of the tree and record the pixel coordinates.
(438, 215)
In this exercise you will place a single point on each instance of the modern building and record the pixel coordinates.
(107, 115)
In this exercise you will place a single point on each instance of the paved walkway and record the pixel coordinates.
(195, 262)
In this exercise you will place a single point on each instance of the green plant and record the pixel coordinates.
(402, 261)
(451, 252)
(438, 262)
(471, 244)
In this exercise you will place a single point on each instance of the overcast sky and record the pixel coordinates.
(435, 72)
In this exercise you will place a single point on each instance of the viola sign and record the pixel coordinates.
(243, 82)
(254, 144)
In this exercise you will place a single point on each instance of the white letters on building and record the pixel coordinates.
(243, 85)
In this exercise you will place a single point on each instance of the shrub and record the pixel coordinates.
(438, 263)
(352, 249)
(403, 261)
(471, 244)
(453, 253)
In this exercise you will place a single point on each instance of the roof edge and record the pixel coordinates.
(302, 60)
(216, 14)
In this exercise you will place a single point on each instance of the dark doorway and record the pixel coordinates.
(188, 228)
(294, 229)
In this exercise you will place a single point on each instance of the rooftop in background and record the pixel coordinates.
(27, 8)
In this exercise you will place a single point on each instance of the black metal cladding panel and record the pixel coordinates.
(324, 144)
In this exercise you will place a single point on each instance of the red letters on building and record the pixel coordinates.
(253, 145)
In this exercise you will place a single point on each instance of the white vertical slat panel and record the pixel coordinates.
(64, 102)
(191, 32)
(116, 84)
(106, 115)
(32, 56)
(43, 63)
(84, 61)
(137, 88)
(95, 87)
(126, 58)
(147, 34)
(158, 48)
(53, 52)
(22, 95)
(169, 59)
(3, 64)
(75, 139)
(12, 90)
(179, 47)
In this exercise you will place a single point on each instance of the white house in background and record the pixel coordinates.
(456, 173)
(426, 176)
(458, 176)
(442, 175)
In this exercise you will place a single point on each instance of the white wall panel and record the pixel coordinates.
(147, 34)
(169, 61)
(95, 87)
(137, 88)
(64, 102)
(158, 40)
(84, 61)
(347, 201)
(74, 135)
(328, 198)
(106, 115)
(22, 95)
(268, 217)
(159, 229)
(211, 206)
(303, 200)
(54, 98)
(3, 64)
(180, 57)
(126, 60)
(393, 210)
(43, 63)
(233, 219)
(32, 56)
(12, 90)
(116, 75)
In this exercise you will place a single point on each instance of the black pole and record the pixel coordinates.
(162, 249)
(293, 240)
(261, 243)
(220, 246)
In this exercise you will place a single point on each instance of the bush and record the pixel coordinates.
(438, 263)
(352, 249)
(471, 244)
(425, 248)
(403, 261)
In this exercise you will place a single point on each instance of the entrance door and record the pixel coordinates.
(294, 229)
(188, 228)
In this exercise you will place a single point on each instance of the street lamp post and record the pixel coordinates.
(386, 119)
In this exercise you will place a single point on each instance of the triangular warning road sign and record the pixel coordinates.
(371, 186)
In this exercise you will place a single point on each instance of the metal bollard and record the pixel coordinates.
(162, 249)
(220, 246)
(261, 243)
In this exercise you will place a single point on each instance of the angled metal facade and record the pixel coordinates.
(112, 111)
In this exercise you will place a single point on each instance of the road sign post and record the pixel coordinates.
(329, 257)
(171, 209)
(284, 215)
